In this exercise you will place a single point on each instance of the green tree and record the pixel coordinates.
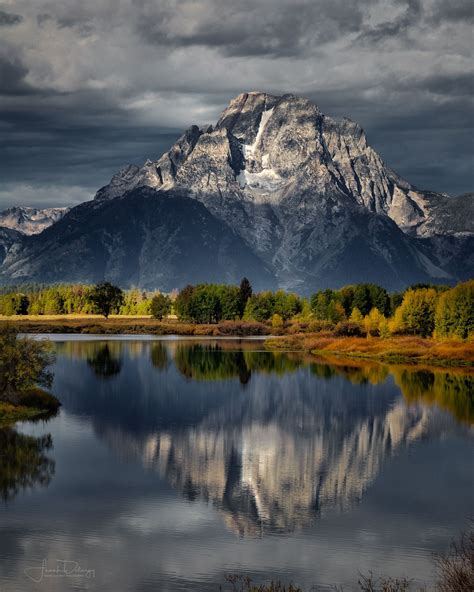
(379, 299)
(260, 307)
(245, 292)
(346, 298)
(160, 306)
(416, 314)
(320, 302)
(454, 316)
(106, 298)
(230, 302)
(205, 304)
(24, 363)
(182, 305)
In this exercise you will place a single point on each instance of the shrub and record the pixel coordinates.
(348, 329)
(318, 326)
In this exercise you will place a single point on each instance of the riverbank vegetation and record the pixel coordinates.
(23, 376)
(427, 323)
(357, 310)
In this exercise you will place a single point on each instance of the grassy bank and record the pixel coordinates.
(133, 325)
(32, 404)
(407, 350)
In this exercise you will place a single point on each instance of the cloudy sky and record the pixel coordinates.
(88, 86)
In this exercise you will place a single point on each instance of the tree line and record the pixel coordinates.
(72, 299)
(425, 310)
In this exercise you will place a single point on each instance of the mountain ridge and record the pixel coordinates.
(28, 220)
(304, 193)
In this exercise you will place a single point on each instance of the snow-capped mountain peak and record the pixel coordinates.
(30, 220)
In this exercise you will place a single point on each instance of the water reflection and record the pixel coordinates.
(23, 462)
(272, 440)
(103, 362)
(453, 391)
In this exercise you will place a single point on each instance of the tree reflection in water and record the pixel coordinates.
(23, 462)
(104, 363)
(159, 356)
(450, 390)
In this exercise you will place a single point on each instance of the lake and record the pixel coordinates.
(175, 462)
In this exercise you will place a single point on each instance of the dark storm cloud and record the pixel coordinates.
(12, 75)
(8, 19)
(248, 28)
(89, 86)
(397, 27)
(452, 11)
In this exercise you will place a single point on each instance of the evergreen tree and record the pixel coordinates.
(245, 292)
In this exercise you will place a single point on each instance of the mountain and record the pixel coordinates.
(8, 238)
(145, 239)
(30, 220)
(304, 196)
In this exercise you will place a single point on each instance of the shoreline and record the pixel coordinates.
(402, 350)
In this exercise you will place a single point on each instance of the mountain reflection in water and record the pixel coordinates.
(273, 440)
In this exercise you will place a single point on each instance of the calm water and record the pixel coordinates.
(173, 463)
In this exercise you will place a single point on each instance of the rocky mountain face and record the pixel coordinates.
(143, 239)
(305, 194)
(9, 239)
(30, 220)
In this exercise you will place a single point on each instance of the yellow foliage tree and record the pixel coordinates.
(277, 321)
(416, 313)
(356, 316)
(372, 321)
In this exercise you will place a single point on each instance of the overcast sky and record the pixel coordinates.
(90, 85)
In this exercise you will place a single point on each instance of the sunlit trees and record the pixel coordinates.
(454, 316)
(372, 322)
(416, 314)
(356, 316)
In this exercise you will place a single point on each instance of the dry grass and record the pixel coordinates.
(394, 349)
(133, 325)
(456, 567)
(237, 583)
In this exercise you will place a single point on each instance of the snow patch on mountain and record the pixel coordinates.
(30, 220)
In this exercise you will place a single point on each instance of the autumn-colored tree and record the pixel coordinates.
(356, 316)
(372, 321)
(454, 315)
(416, 314)
(277, 321)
